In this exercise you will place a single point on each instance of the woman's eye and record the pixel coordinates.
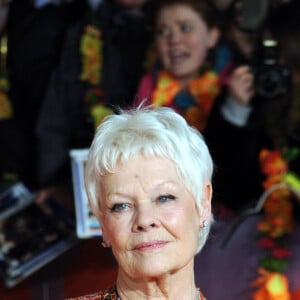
(165, 198)
(119, 207)
(162, 31)
(185, 27)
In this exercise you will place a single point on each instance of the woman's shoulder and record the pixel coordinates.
(107, 294)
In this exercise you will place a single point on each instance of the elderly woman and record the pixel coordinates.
(148, 180)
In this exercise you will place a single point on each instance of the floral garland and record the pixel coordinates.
(276, 225)
(203, 89)
(91, 46)
(91, 49)
(6, 111)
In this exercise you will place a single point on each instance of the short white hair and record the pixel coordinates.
(159, 132)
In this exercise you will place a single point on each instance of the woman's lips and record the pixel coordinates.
(178, 58)
(150, 245)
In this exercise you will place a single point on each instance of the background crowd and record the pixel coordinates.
(65, 65)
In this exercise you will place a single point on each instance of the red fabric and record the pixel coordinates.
(145, 88)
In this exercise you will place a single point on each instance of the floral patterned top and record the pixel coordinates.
(108, 294)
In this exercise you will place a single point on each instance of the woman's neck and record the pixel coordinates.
(184, 84)
(185, 81)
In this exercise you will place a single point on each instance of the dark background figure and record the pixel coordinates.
(34, 39)
(74, 104)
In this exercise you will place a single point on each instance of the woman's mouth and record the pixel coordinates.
(178, 58)
(146, 246)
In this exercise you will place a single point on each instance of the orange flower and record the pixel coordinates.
(272, 162)
(166, 90)
(6, 110)
(278, 203)
(263, 226)
(205, 89)
(271, 180)
(93, 31)
(90, 48)
(99, 112)
(278, 214)
(271, 286)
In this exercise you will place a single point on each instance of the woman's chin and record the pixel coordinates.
(148, 270)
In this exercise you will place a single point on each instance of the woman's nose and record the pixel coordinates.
(145, 219)
(174, 37)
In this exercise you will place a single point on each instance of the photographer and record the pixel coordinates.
(244, 120)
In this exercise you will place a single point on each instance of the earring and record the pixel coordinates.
(205, 223)
(104, 244)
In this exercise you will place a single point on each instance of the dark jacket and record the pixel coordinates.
(34, 42)
(238, 179)
(64, 123)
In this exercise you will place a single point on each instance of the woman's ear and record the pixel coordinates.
(206, 203)
(105, 237)
(98, 214)
(213, 37)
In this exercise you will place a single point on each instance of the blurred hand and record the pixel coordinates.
(45, 193)
(60, 194)
(241, 85)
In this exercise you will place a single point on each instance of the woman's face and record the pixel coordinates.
(149, 218)
(182, 40)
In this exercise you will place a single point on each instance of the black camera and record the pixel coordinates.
(272, 79)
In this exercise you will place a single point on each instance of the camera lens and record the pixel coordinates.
(269, 82)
